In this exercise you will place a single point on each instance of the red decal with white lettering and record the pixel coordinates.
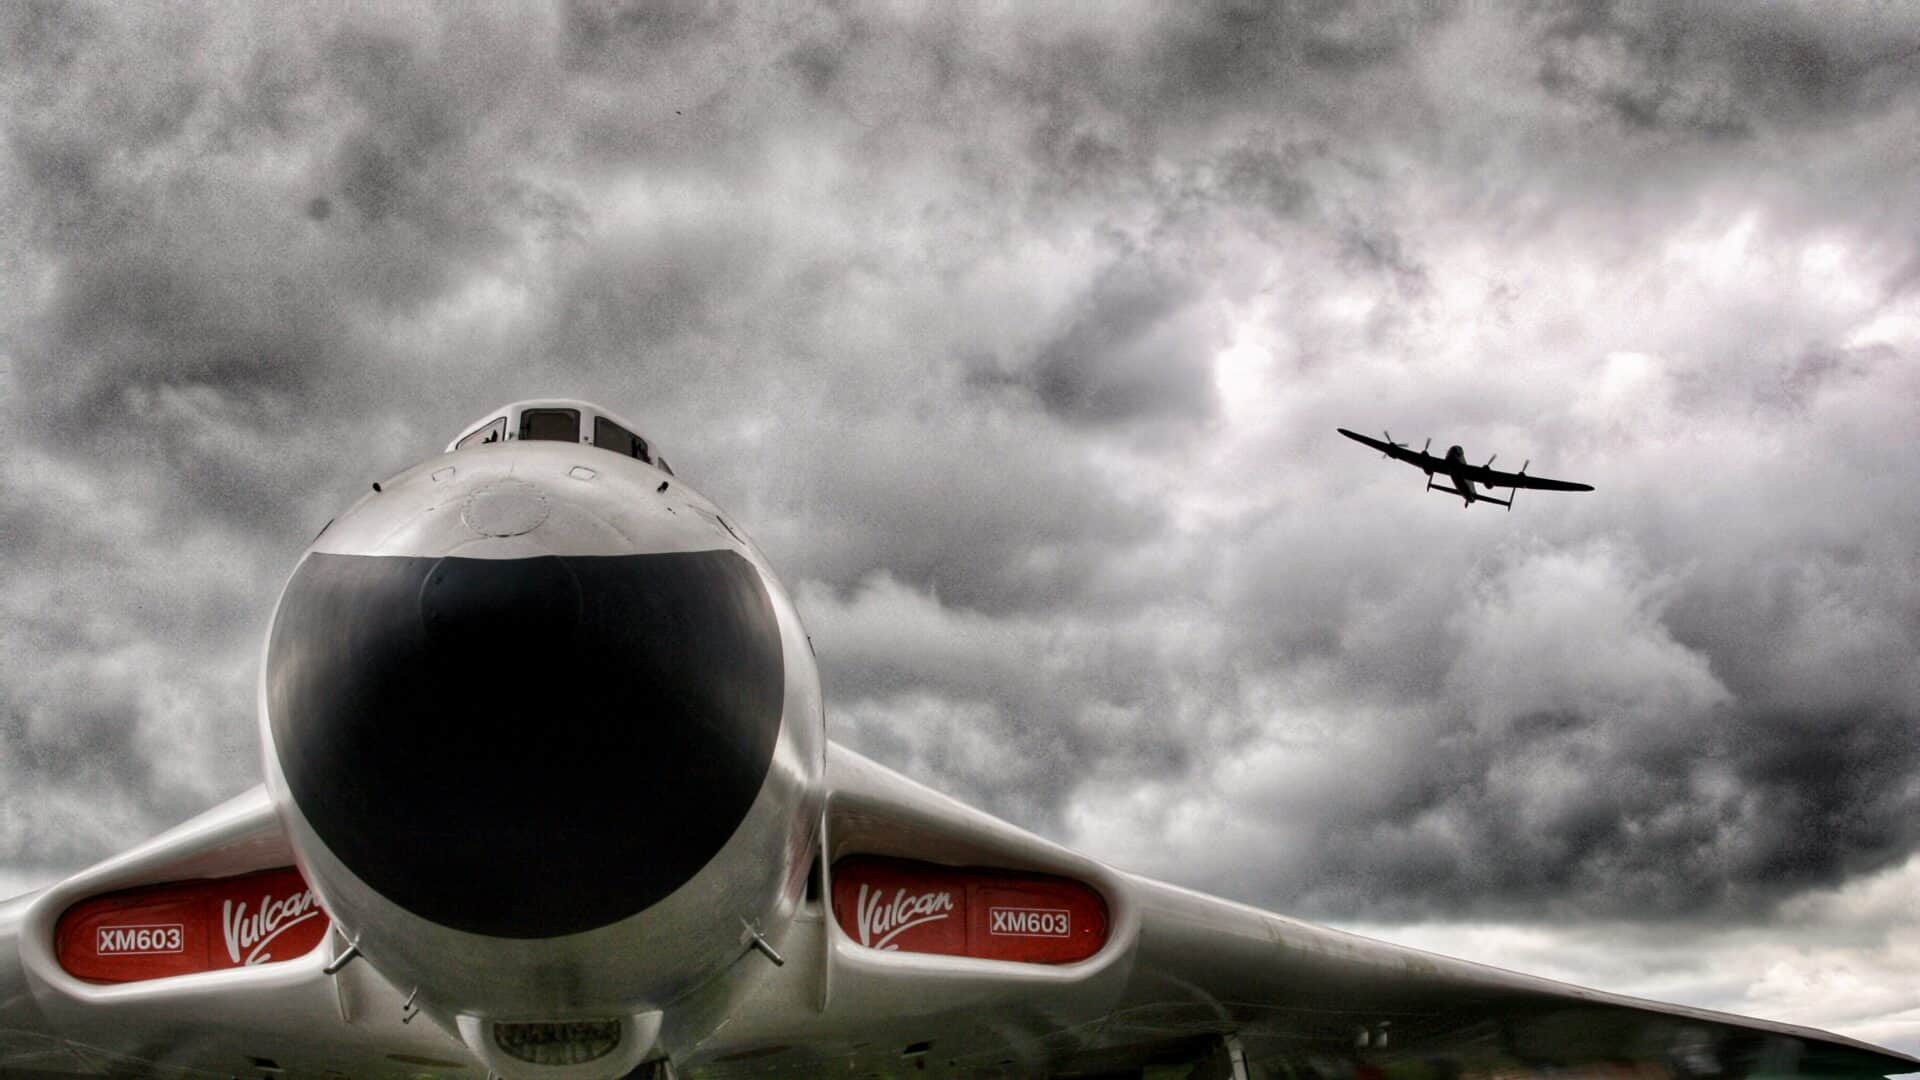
(190, 926)
(908, 906)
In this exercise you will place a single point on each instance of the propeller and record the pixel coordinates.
(1514, 495)
(1489, 463)
(1390, 442)
(1427, 446)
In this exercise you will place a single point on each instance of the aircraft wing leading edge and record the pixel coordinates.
(1397, 451)
(1486, 477)
(1189, 977)
(1181, 979)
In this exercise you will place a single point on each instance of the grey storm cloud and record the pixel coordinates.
(1018, 340)
(1128, 354)
(1723, 69)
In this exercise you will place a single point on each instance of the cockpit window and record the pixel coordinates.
(555, 425)
(611, 436)
(492, 433)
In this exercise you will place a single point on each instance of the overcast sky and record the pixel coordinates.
(1017, 336)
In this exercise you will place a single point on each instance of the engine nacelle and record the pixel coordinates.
(546, 734)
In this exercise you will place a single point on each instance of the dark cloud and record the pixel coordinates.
(672, 281)
(1562, 736)
(1019, 341)
(1132, 350)
(622, 32)
(1560, 815)
(1727, 70)
(1233, 49)
(46, 33)
(986, 512)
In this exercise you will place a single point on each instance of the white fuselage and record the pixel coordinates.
(521, 781)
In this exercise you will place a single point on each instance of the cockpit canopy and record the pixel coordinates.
(559, 420)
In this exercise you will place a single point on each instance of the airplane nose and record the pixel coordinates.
(489, 608)
(524, 747)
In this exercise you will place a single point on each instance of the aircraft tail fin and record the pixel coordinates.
(1476, 496)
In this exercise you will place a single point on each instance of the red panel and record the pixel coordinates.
(189, 926)
(907, 906)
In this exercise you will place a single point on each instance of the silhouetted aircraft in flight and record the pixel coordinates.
(1464, 473)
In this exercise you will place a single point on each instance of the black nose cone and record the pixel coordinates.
(485, 607)
(525, 747)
